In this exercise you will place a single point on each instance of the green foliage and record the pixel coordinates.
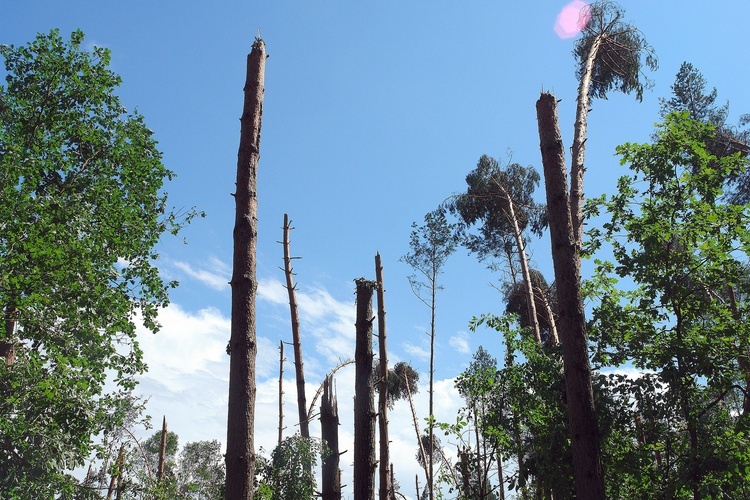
(398, 377)
(82, 207)
(623, 52)
(202, 470)
(683, 249)
(485, 205)
(431, 244)
(288, 473)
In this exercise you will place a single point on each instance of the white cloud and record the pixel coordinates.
(416, 351)
(216, 276)
(460, 342)
(327, 321)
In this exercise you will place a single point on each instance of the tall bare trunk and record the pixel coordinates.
(385, 482)
(240, 455)
(521, 249)
(329, 430)
(281, 390)
(118, 472)
(587, 468)
(364, 411)
(578, 150)
(162, 450)
(304, 426)
(431, 425)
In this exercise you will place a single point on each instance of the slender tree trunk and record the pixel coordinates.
(8, 343)
(554, 339)
(500, 478)
(521, 248)
(240, 454)
(118, 472)
(281, 390)
(162, 450)
(431, 426)
(578, 150)
(304, 426)
(329, 430)
(587, 467)
(364, 411)
(385, 481)
(416, 428)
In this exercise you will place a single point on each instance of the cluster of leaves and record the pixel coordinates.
(81, 209)
(684, 249)
(288, 473)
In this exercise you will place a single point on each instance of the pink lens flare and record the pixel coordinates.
(572, 19)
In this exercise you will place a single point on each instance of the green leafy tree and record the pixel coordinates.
(82, 208)
(431, 245)
(201, 470)
(690, 94)
(684, 249)
(288, 473)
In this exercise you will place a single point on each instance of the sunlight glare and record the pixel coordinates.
(572, 19)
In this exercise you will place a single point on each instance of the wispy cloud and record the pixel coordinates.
(215, 275)
(416, 351)
(460, 342)
(330, 322)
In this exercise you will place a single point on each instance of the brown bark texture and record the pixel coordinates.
(364, 411)
(299, 373)
(329, 431)
(385, 481)
(162, 450)
(281, 390)
(240, 454)
(585, 447)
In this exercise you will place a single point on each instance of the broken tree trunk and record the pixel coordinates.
(585, 447)
(240, 454)
(364, 411)
(304, 426)
(162, 450)
(329, 432)
(385, 481)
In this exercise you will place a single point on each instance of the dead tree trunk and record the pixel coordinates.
(364, 411)
(240, 455)
(304, 426)
(117, 474)
(587, 467)
(385, 481)
(281, 390)
(162, 450)
(329, 430)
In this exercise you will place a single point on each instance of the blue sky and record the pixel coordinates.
(374, 113)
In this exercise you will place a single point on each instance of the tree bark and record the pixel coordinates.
(8, 343)
(364, 411)
(385, 482)
(162, 450)
(329, 430)
(240, 454)
(304, 426)
(587, 468)
(281, 390)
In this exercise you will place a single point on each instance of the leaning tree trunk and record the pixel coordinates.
(329, 431)
(304, 426)
(364, 411)
(240, 454)
(521, 248)
(585, 447)
(385, 488)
